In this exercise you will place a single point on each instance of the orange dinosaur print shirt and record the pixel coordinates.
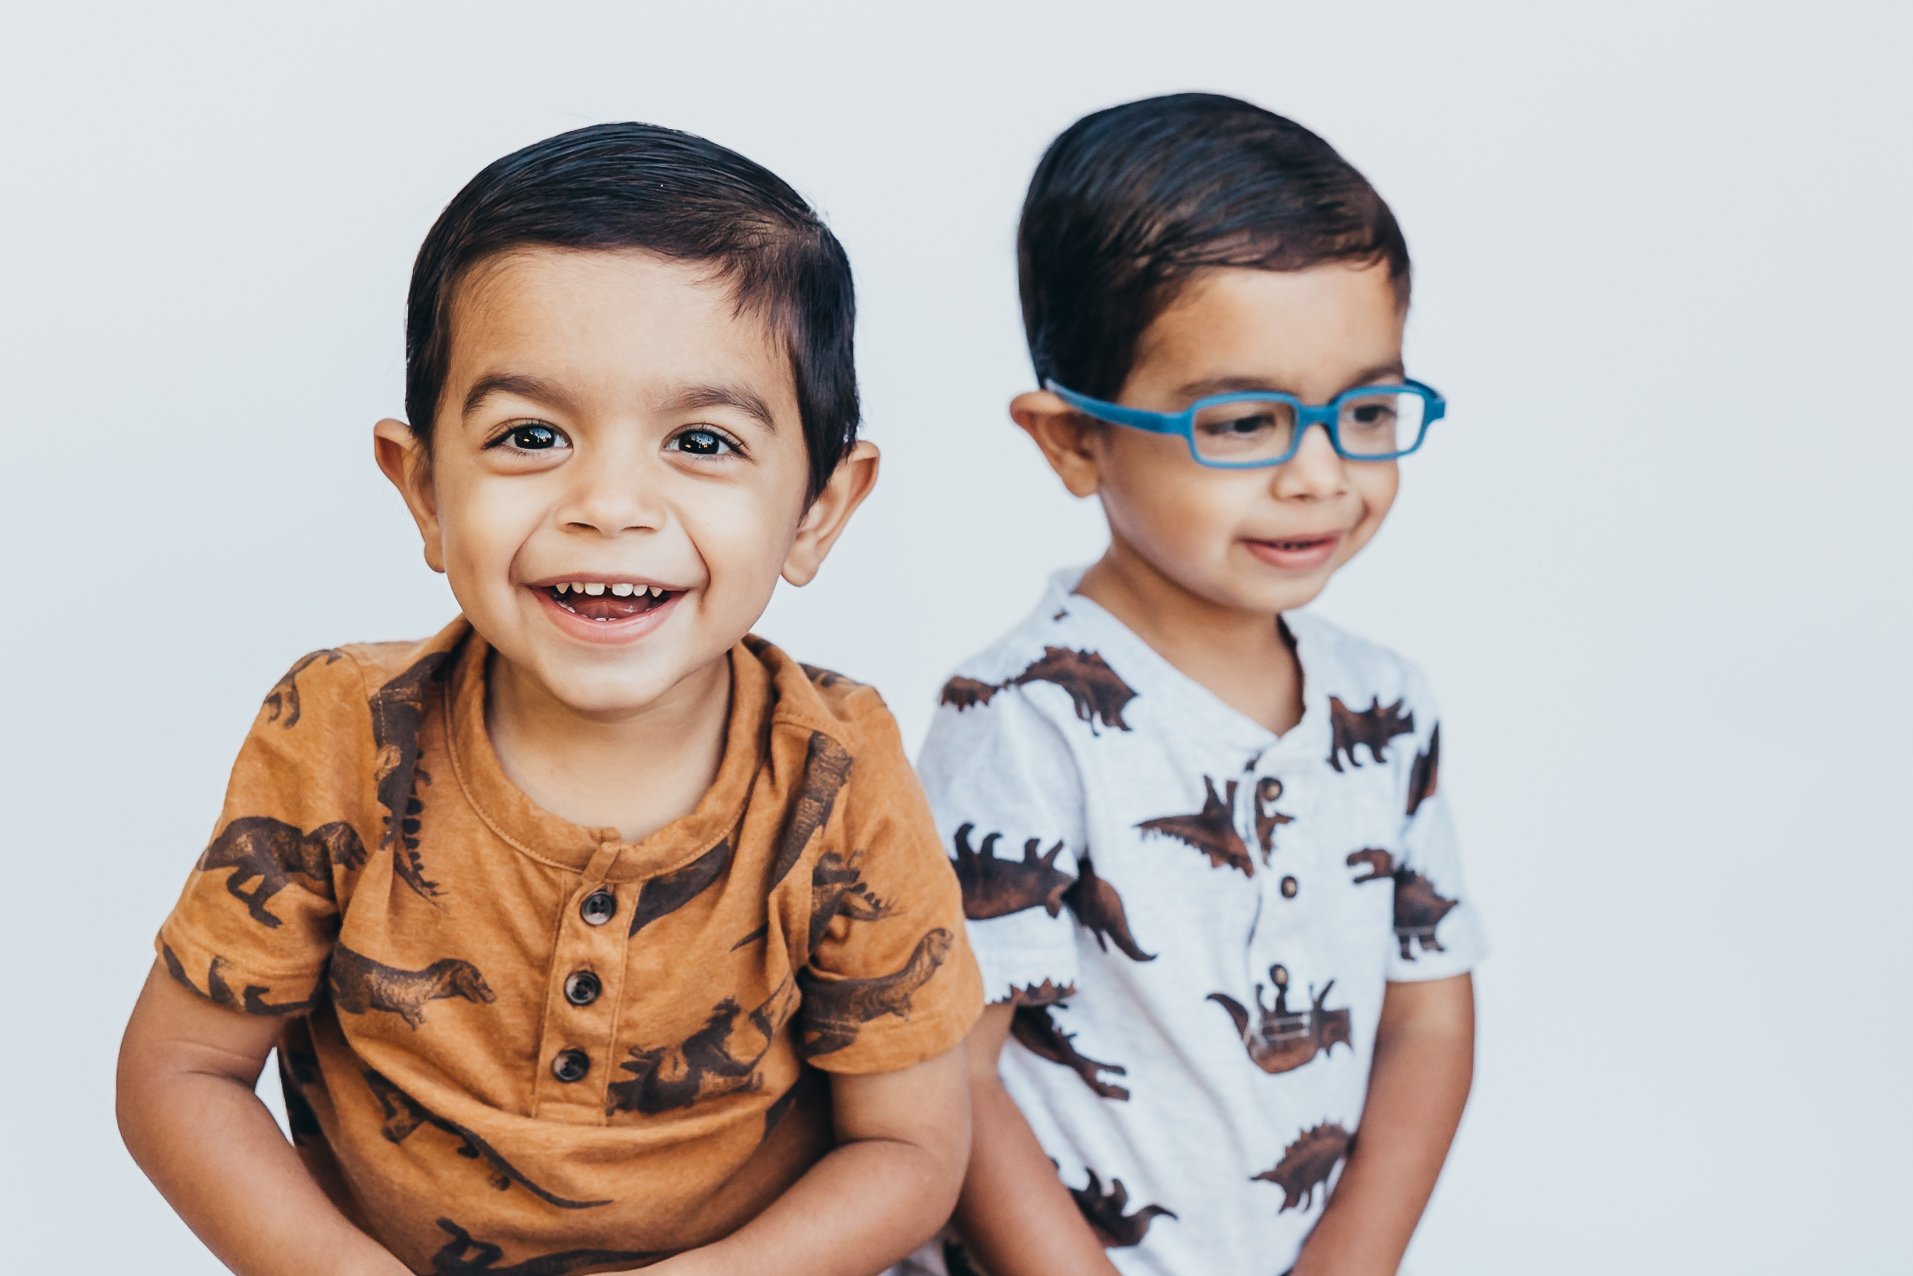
(510, 1040)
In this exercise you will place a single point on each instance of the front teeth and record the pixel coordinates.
(622, 590)
(596, 589)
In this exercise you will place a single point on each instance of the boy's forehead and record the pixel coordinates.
(611, 322)
(1310, 332)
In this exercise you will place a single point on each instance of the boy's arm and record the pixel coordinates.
(1424, 1062)
(192, 1121)
(886, 1187)
(1015, 1216)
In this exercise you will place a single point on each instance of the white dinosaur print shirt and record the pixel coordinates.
(1196, 918)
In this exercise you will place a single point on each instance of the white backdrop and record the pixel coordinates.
(1654, 561)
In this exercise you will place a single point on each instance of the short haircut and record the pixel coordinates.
(625, 186)
(1128, 204)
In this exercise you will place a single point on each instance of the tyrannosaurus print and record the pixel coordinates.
(995, 887)
(464, 1255)
(837, 1009)
(1105, 1212)
(1307, 1164)
(361, 985)
(252, 1000)
(1422, 776)
(1371, 728)
(404, 1114)
(702, 1066)
(1211, 830)
(1037, 1031)
(1280, 1039)
(254, 846)
(1376, 864)
(1095, 690)
(1268, 791)
(282, 702)
(826, 769)
(1099, 909)
(837, 890)
(671, 891)
(398, 716)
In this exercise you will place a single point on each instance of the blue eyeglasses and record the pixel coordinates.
(1255, 428)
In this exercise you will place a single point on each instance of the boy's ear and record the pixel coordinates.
(1066, 437)
(403, 460)
(824, 521)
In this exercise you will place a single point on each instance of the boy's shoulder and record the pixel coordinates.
(822, 700)
(1342, 662)
(330, 682)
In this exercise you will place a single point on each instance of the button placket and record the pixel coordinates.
(581, 997)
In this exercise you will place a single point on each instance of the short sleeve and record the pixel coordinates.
(1008, 802)
(1438, 932)
(890, 980)
(254, 926)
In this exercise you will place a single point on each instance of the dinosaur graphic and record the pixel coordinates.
(404, 1114)
(282, 702)
(826, 678)
(1095, 690)
(837, 890)
(702, 1066)
(664, 895)
(1422, 776)
(1268, 791)
(1376, 864)
(780, 1107)
(463, 1256)
(1419, 908)
(275, 852)
(966, 693)
(994, 887)
(1282, 1040)
(1105, 1212)
(361, 985)
(1306, 1164)
(1371, 728)
(398, 715)
(826, 769)
(839, 1008)
(1096, 905)
(1038, 1032)
(1211, 830)
(1047, 993)
(252, 1000)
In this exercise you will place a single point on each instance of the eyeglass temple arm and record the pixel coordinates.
(1115, 413)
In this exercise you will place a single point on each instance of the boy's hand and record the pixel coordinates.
(1424, 1063)
(1015, 1215)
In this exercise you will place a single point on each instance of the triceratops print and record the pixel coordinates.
(1371, 728)
(217, 991)
(1280, 1039)
(398, 716)
(1037, 1031)
(826, 771)
(837, 890)
(703, 1065)
(465, 1256)
(1422, 776)
(1106, 1212)
(837, 1009)
(361, 985)
(254, 846)
(994, 887)
(282, 702)
(404, 1114)
(1419, 907)
(1211, 830)
(1307, 1164)
(1099, 909)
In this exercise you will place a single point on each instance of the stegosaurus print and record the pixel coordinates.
(1211, 830)
(1371, 728)
(361, 985)
(1106, 1212)
(838, 1008)
(837, 889)
(703, 1065)
(465, 1256)
(1099, 910)
(997, 887)
(274, 852)
(1308, 1164)
(282, 702)
(1096, 691)
(252, 1000)
(398, 717)
(1419, 907)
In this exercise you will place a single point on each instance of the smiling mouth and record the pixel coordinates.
(608, 602)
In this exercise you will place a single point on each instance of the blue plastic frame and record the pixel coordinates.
(1327, 415)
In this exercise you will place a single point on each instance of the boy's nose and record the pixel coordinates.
(1316, 471)
(611, 498)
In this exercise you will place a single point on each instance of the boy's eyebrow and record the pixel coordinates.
(743, 398)
(1231, 384)
(522, 384)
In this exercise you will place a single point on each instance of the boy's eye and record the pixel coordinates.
(1247, 424)
(530, 437)
(703, 441)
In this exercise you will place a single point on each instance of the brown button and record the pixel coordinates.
(1289, 887)
(582, 987)
(570, 1065)
(598, 907)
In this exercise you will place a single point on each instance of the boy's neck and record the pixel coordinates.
(1243, 657)
(636, 774)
